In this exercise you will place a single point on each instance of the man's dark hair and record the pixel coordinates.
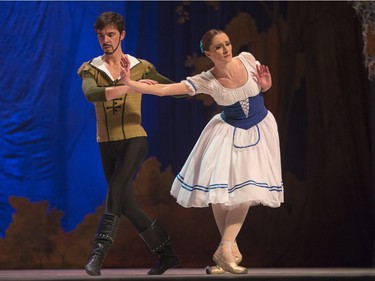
(110, 18)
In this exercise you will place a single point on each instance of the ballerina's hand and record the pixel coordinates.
(125, 69)
(263, 77)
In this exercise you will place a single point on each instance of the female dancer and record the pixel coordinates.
(235, 163)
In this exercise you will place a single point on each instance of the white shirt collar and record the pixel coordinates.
(99, 63)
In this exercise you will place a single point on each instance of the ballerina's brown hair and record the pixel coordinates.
(206, 40)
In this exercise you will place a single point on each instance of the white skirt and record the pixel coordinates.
(232, 166)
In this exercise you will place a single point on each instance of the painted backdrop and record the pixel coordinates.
(52, 186)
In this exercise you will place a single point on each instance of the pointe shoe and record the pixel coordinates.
(236, 253)
(214, 270)
(232, 267)
(218, 270)
(238, 260)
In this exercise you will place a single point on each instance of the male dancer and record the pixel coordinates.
(122, 143)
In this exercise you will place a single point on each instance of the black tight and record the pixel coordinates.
(121, 160)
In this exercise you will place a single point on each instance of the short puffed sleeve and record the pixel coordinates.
(200, 84)
(250, 59)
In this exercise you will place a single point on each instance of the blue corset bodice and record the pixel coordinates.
(245, 114)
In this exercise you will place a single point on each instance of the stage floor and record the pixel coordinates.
(329, 274)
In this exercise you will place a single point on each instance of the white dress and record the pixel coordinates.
(237, 163)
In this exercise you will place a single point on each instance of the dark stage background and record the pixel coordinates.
(52, 186)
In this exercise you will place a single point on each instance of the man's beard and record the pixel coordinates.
(106, 50)
(113, 50)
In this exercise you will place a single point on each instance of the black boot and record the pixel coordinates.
(104, 238)
(158, 242)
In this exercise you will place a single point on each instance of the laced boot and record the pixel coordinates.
(159, 243)
(104, 238)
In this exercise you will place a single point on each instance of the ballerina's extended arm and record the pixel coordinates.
(153, 89)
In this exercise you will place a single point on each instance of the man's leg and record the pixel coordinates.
(131, 156)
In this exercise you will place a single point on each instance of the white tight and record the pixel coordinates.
(229, 221)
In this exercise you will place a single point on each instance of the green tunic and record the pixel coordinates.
(118, 119)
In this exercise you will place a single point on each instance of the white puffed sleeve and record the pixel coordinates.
(200, 84)
(251, 59)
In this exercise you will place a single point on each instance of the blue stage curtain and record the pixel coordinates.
(48, 149)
